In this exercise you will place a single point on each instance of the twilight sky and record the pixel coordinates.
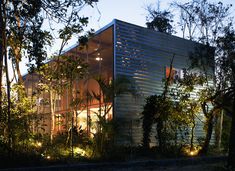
(132, 11)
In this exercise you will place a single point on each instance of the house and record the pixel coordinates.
(118, 49)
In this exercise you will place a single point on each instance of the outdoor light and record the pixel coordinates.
(98, 58)
(192, 151)
(39, 144)
(48, 157)
(79, 151)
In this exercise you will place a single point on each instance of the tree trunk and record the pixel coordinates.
(231, 155)
(52, 111)
(8, 101)
(192, 134)
(20, 78)
(4, 56)
(208, 135)
(147, 128)
(160, 135)
(72, 119)
(2, 29)
(219, 129)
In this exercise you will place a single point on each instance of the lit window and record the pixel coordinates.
(174, 74)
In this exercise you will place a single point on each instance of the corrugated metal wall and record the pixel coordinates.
(142, 55)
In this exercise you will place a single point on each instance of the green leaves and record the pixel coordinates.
(160, 21)
(61, 72)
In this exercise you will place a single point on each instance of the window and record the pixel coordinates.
(175, 74)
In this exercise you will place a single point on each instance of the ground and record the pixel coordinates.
(170, 165)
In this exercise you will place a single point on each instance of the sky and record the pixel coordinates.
(132, 11)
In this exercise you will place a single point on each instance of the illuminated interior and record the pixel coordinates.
(82, 118)
(99, 56)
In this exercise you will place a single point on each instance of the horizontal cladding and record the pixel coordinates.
(142, 56)
(153, 39)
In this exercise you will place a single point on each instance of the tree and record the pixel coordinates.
(1, 55)
(202, 60)
(109, 90)
(72, 69)
(22, 34)
(21, 110)
(159, 20)
(148, 119)
(205, 23)
(59, 75)
(25, 35)
(215, 28)
(202, 21)
(227, 69)
(175, 111)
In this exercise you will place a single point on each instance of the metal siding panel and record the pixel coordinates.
(142, 55)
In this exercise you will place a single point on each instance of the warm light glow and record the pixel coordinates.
(48, 157)
(192, 151)
(39, 144)
(82, 118)
(98, 58)
(79, 151)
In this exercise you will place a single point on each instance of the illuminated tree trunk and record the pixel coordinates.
(72, 119)
(52, 111)
(192, 132)
(208, 135)
(209, 126)
(20, 78)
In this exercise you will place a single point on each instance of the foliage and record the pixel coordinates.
(210, 24)
(23, 37)
(148, 119)
(174, 115)
(159, 20)
(21, 111)
(107, 127)
(23, 24)
(59, 75)
(103, 140)
(202, 20)
(227, 55)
